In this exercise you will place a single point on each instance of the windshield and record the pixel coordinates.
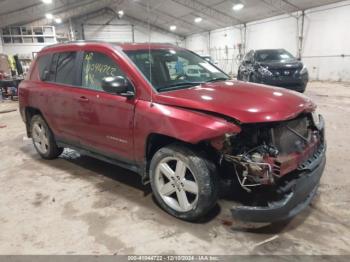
(273, 55)
(170, 69)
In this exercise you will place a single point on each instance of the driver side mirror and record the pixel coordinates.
(117, 85)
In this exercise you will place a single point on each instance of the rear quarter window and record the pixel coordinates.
(56, 67)
(43, 65)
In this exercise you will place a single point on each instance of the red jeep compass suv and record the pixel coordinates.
(191, 135)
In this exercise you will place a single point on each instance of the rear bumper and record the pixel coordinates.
(300, 193)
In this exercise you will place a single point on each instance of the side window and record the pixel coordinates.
(44, 67)
(143, 62)
(97, 66)
(52, 71)
(65, 69)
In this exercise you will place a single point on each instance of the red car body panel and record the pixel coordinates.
(121, 127)
(182, 124)
(248, 103)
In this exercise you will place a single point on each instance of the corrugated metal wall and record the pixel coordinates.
(109, 33)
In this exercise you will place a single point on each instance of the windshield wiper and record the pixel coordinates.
(218, 79)
(179, 85)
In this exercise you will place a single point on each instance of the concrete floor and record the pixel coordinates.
(78, 205)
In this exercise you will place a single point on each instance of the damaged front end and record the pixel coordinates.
(279, 163)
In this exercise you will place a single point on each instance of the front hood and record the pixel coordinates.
(245, 102)
(293, 64)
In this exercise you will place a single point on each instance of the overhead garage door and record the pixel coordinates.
(109, 33)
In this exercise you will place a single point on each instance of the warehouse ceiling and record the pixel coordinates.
(162, 14)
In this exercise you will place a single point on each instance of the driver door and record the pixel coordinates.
(105, 119)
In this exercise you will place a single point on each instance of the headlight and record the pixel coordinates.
(264, 71)
(316, 118)
(304, 70)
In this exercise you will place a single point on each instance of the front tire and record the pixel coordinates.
(303, 88)
(43, 139)
(184, 182)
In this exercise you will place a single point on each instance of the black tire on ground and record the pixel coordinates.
(303, 89)
(204, 172)
(52, 150)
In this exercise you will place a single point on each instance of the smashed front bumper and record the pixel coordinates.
(297, 196)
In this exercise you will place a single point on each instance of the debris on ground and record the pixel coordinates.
(226, 222)
(8, 111)
(265, 241)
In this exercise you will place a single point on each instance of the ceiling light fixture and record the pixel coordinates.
(172, 27)
(198, 20)
(120, 13)
(58, 20)
(238, 6)
(47, 2)
(49, 16)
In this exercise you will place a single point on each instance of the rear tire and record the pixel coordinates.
(184, 182)
(43, 138)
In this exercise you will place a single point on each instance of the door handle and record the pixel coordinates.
(83, 99)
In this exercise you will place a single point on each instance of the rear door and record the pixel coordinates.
(105, 119)
(61, 94)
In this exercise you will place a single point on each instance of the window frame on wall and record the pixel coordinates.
(28, 35)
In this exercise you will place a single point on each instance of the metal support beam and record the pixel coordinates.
(211, 12)
(297, 8)
(71, 31)
(85, 17)
(155, 12)
(281, 6)
(25, 16)
(301, 35)
(242, 49)
(136, 21)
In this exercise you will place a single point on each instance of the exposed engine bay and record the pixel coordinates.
(264, 153)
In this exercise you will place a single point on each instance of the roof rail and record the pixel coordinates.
(75, 42)
(103, 42)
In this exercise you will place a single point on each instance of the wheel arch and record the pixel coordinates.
(29, 113)
(156, 141)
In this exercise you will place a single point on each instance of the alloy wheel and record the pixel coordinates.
(40, 138)
(176, 184)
